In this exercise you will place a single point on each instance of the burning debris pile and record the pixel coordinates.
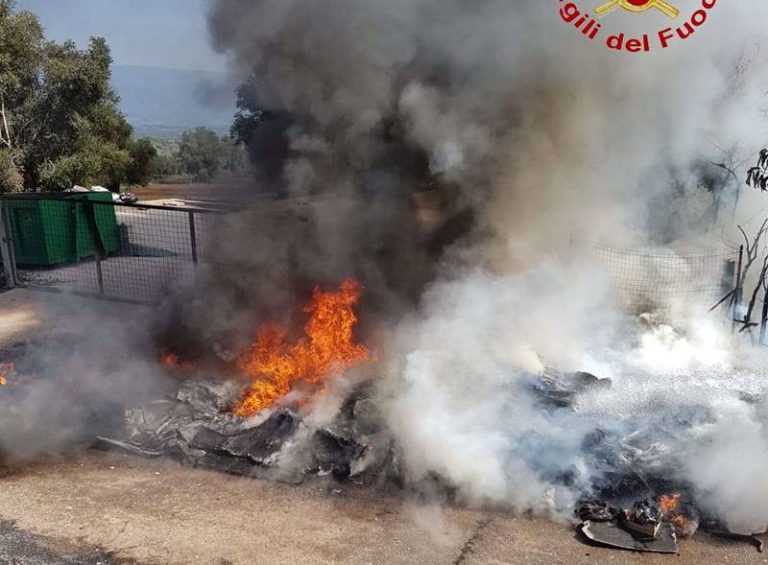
(649, 525)
(629, 455)
(624, 503)
(623, 500)
(257, 429)
(198, 426)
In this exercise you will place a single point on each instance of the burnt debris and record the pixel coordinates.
(627, 500)
(196, 426)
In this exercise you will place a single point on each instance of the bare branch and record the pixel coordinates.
(736, 183)
(5, 138)
(758, 287)
(752, 247)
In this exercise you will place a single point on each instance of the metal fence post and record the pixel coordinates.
(98, 246)
(6, 244)
(764, 319)
(193, 236)
(737, 290)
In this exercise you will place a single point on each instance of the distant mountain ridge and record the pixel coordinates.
(162, 103)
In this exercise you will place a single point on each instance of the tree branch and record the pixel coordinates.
(7, 137)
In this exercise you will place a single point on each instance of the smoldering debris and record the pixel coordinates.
(649, 527)
(560, 389)
(625, 501)
(62, 389)
(197, 427)
(608, 534)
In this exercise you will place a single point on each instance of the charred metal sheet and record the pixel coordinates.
(610, 534)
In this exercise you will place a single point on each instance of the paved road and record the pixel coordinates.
(22, 548)
(160, 512)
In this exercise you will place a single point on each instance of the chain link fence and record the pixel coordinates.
(661, 279)
(90, 245)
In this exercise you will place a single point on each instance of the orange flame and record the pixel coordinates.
(172, 361)
(7, 373)
(670, 507)
(275, 368)
(669, 503)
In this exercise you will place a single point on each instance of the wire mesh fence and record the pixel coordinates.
(88, 244)
(660, 279)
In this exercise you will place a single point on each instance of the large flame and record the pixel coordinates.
(276, 367)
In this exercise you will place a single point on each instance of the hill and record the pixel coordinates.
(161, 103)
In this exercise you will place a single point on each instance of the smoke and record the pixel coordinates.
(541, 135)
(75, 381)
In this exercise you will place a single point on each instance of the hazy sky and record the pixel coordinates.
(159, 33)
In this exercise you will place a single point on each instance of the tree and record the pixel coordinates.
(143, 154)
(201, 153)
(21, 51)
(59, 120)
(262, 132)
(757, 176)
(164, 166)
(11, 179)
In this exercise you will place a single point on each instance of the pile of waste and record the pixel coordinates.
(636, 501)
(649, 525)
(197, 427)
(632, 501)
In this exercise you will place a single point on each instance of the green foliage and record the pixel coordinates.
(201, 153)
(63, 125)
(11, 178)
(164, 166)
(143, 154)
(204, 155)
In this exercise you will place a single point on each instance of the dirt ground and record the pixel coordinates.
(109, 508)
(235, 190)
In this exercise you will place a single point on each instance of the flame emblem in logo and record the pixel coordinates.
(637, 6)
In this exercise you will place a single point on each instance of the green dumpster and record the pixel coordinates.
(62, 229)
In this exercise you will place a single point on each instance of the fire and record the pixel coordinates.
(669, 503)
(276, 367)
(172, 361)
(7, 373)
(670, 507)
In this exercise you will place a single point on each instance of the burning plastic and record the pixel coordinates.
(276, 368)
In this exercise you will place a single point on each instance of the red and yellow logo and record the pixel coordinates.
(588, 21)
(637, 6)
